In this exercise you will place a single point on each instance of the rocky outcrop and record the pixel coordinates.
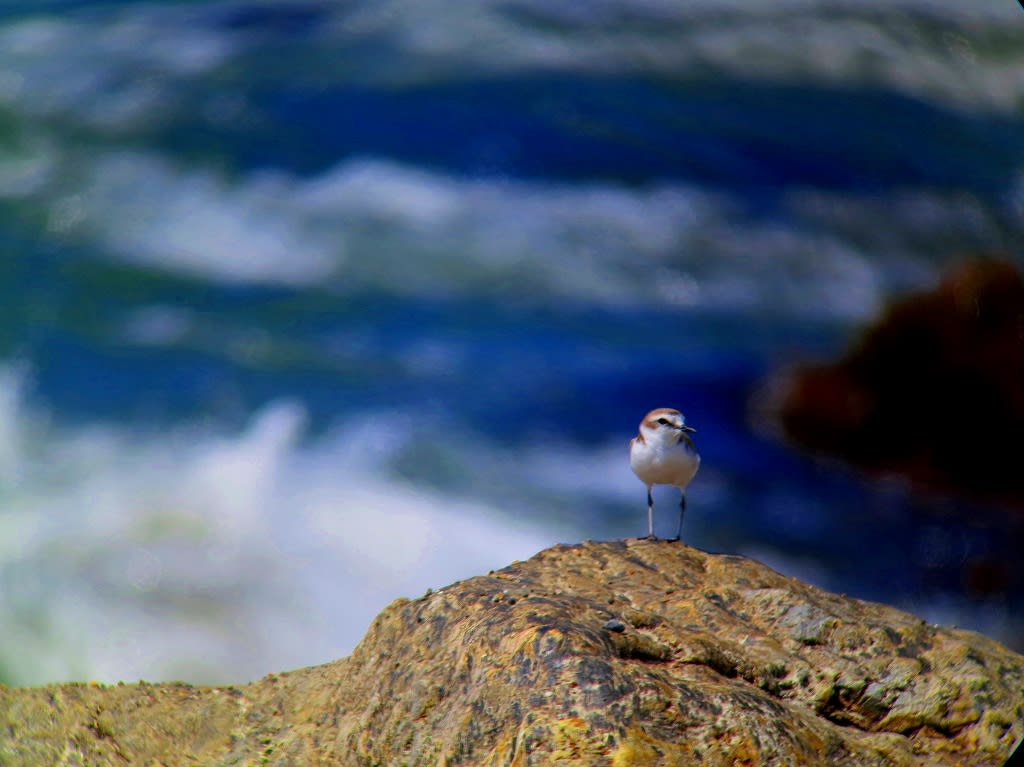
(934, 389)
(628, 653)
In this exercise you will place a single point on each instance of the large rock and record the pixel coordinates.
(635, 653)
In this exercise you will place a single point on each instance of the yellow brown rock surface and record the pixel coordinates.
(626, 653)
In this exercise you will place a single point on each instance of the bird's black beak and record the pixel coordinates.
(684, 427)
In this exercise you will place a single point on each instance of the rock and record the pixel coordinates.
(719, 661)
(940, 368)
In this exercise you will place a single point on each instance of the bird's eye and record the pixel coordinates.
(663, 421)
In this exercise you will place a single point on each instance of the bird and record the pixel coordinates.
(662, 453)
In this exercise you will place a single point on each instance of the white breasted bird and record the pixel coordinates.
(663, 454)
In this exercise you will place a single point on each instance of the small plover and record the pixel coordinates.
(663, 454)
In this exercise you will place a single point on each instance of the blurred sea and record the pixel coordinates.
(308, 304)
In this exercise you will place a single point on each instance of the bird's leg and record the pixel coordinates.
(682, 511)
(650, 514)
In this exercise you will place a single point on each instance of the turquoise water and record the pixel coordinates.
(309, 305)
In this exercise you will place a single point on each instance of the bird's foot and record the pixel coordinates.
(672, 540)
(648, 537)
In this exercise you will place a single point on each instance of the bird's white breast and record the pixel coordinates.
(664, 464)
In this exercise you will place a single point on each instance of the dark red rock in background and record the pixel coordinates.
(934, 389)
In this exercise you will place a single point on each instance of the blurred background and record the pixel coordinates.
(310, 304)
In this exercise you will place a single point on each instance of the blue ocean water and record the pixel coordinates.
(311, 305)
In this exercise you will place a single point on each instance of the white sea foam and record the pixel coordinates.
(214, 556)
(26, 168)
(115, 72)
(360, 225)
(942, 48)
(125, 67)
(197, 222)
